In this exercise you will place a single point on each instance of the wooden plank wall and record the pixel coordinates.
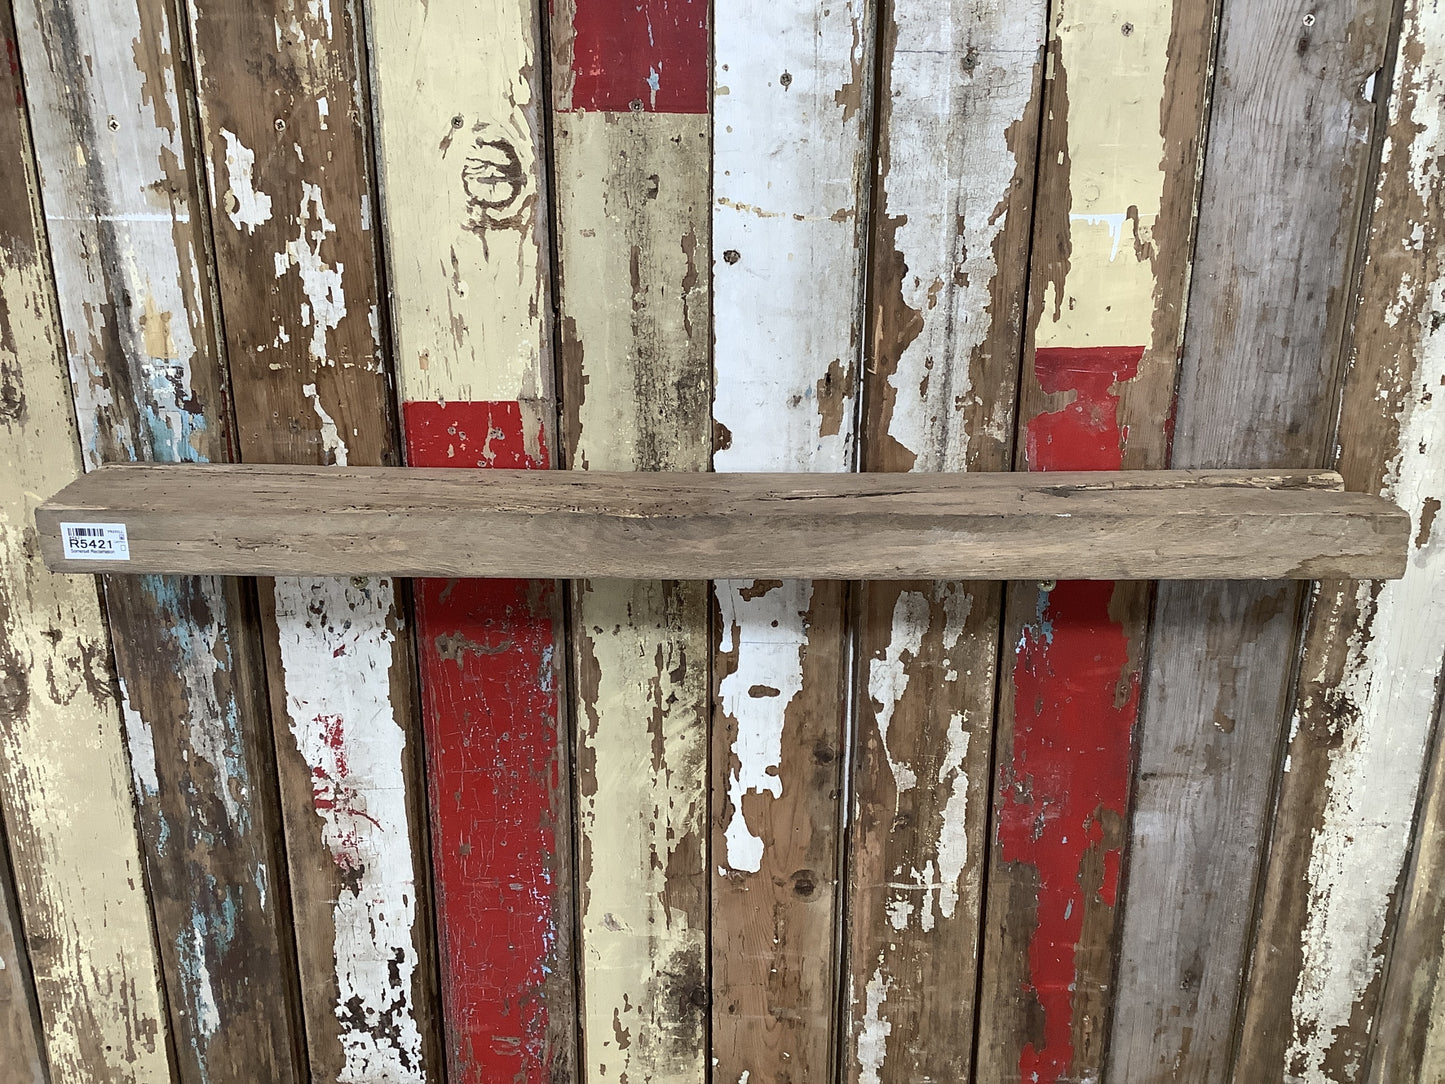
(362, 830)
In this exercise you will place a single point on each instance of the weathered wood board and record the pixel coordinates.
(1271, 279)
(129, 244)
(1123, 111)
(1370, 672)
(22, 1045)
(285, 120)
(631, 162)
(64, 784)
(459, 141)
(952, 220)
(243, 519)
(792, 109)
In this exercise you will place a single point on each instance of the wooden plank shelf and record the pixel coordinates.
(291, 520)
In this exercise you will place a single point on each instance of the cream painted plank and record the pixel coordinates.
(950, 237)
(632, 235)
(792, 99)
(461, 165)
(64, 780)
(1370, 674)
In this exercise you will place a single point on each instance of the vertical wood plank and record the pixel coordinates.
(631, 157)
(1277, 228)
(461, 156)
(22, 1046)
(1409, 1043)
(1370, 673)
(63, 779)
(1118, 166)
(284, 120)
(792, 105)
(120, 185)
(950, 233)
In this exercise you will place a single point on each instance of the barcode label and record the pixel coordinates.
(95, 541)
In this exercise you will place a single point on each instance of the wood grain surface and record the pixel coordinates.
(1370, 673)
(129, 241)
(631, 177)
(1132, 525)
(461, 155)
(283, 111)
(951, 222)
(64, 781)
(1289, 144)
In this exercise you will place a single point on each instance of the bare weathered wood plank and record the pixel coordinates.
(1134, 525)
(129, 240)
(1289, 146)
(1113, 223)
(630, 89)
(22, 1045)
(792, 112)
(1370, 673)
(284, 118)
(461, 159)
(63, 778)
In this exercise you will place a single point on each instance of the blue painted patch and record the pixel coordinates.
(169, 416)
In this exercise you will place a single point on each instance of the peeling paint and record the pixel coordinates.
(332, 445)
(69, 820)
(325, 304)
(791, 116)
(887, 677)
(764, 624)
(349, 735)
(947, 234)
(245, 206)
(642, 798)
(631, 129)
(873, 1038)
(141, 743)
(1380, 703)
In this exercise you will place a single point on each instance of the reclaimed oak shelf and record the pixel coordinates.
(284, 520)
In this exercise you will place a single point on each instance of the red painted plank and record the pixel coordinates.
(640, 55)
(489, 685)
(1076, 702)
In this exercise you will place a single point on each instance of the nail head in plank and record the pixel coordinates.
(274, 520)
